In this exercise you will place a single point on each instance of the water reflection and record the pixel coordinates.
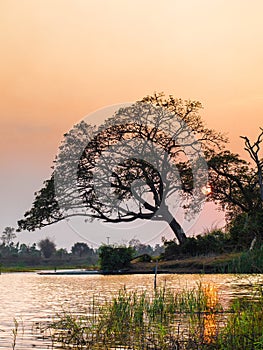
(210, 323)
(30, 298)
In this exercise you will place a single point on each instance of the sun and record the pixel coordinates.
(207, 190)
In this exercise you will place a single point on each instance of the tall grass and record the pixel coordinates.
(14, 331)
(247, 262)
(138, 320)
(186, 320)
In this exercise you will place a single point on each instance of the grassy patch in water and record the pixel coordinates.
(165, 319)
(138, 320)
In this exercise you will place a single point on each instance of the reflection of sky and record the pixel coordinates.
(61, 60)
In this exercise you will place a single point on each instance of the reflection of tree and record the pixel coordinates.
(133, 166)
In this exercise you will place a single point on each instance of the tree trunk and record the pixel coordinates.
(174, 225)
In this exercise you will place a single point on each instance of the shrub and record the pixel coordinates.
(115, 258)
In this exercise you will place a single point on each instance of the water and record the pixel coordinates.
(32, 299)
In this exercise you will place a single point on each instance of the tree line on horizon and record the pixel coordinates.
(45, 251)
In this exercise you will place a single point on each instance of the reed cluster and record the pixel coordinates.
(167, 319)
(247, 262)
(138, 320)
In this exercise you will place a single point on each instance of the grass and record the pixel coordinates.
(4, 269)
(246, 262)
(137, 320)
(212, 263)
(244, 326)
(185, 320)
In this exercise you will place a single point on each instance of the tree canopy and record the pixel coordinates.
(237, 187)
(236, 183)
(113, 258)
(141, 163)
(47, 247)
(8, 235)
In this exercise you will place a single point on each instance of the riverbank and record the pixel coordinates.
(191, 265)
(198, 264)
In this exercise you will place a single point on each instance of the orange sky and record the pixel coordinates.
(62, 59)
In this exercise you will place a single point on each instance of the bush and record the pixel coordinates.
(215, 242)
(244, 228)
(115, 258)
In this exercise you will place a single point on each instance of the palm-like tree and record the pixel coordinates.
(8, 236)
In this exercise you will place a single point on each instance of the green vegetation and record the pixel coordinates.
(246, 262)
(115, 258)
(189, 319)
(135, 320)
(22, 257)
(16, 257)
(213, 252)
(243, 329)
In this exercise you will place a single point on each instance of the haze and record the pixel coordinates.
(63, 59)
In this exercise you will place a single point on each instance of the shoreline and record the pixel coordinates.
(191, 265)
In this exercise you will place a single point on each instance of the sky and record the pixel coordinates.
(63, 59)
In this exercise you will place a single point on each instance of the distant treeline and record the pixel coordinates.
(45, 253)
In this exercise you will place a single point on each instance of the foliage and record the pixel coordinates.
(141, 249)
(62, 253)
(8, 236)
(234, 184)
(247, 262)
(215, 242)
(45, 209)
(137, 320)
(115, 258)
(80, 249)
(243, 329)
(237, 186)
(135, 179)
(47, 247)
(244, 227)
(26, 255)
(167, 319)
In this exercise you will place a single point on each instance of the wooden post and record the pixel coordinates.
(155, 275)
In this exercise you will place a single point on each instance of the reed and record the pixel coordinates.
(164, 320)
(15, 332)
(247, 262)
(139, 320)
(244, 325)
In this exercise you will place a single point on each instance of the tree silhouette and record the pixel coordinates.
(236, 183)
(141, 163)
(81, 248)
(237, 187)
(47, 247)
(8, 235)
(253, 150)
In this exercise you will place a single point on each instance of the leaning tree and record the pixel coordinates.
(142, 163)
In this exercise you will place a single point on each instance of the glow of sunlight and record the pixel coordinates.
(210, 325)
(207, 190)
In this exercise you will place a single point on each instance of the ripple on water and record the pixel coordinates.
(32, 299)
